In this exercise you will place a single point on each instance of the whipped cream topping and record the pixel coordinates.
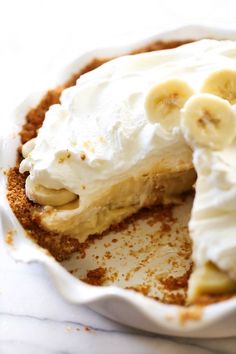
(100, 133)
(213, 221)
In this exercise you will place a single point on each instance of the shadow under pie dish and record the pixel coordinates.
(148, 126)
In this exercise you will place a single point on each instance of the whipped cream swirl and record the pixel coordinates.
(213, 220)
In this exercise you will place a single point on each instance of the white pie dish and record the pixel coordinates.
(121, 305)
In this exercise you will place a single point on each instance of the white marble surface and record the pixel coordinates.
(35, 319)
(37, 37)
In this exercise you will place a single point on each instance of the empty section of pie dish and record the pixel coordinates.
(116, 303)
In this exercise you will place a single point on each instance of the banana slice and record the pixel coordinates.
(209, 280)
(165, 100)
(209, 121)
(28, 147)
(223, 84)
(46, 196)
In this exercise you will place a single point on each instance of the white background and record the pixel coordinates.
(38, 37)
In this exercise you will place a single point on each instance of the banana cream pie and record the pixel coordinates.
(131, 134)
(102, 154)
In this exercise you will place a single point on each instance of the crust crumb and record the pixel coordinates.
(174, 283)
(144, 289)
(193, 313)
(95, 276)
(87, 329)
(204, 300)
(9, 237)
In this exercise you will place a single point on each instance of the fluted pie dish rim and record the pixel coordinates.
(124, 306)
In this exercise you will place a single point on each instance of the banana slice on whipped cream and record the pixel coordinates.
(165, 100)
(222, 83)
(209, 121)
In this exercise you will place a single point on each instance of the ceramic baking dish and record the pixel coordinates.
(125, 306)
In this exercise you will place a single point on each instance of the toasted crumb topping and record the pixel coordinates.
(66, 155)
(82, 156)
